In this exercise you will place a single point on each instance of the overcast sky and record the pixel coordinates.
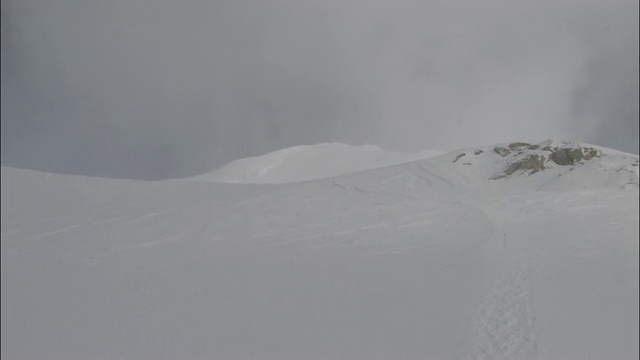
(158, 88)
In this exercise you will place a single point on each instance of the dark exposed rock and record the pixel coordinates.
(566, 156)
(517, 145)
(459, 156)
(478, 152)
(532, 163)
(590, 153)
(531, 158)
(501, 151)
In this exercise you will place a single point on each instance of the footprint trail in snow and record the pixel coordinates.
(502, 326)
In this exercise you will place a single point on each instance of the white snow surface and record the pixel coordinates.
(423, 260)
(309, 162)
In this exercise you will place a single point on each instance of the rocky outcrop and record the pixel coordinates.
(519, 145)
(458, 157)
(570, 155)
(566, 156)
(590, 153)
(533, 158)
(531, 163)
(501, 151)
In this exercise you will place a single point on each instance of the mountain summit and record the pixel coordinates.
(309, 162)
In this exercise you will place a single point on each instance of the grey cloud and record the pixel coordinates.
(155, 89)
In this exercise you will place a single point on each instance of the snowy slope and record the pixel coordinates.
(309, 162)
(432, 259)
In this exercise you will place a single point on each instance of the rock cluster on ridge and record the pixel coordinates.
(553, 164)
(537, 157)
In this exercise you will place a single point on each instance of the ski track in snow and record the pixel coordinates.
(153, 243)
(55, 232)
(146, 216)
(374, 192)
(429, 172)
(503, 324)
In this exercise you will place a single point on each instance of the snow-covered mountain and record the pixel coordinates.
(511, 251)
(309, 162)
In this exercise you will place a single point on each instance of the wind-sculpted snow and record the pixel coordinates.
(429, 259)
(303, 163)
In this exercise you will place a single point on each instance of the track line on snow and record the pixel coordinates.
(374, 192)
(56, 232)
(153, 243)
(502, 326)
(431, 173)
(146, 216)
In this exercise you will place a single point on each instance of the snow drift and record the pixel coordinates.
(309, 162)
(460, 256)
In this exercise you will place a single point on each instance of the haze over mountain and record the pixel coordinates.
(510, 251)
(162, 196)
(152, 89)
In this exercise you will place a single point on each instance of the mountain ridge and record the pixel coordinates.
(494, 162)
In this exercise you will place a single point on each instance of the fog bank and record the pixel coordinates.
(154, 89)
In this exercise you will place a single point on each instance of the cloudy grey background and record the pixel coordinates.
(158, 88)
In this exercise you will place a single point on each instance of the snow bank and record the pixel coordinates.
(309, 162)
(430, 259)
